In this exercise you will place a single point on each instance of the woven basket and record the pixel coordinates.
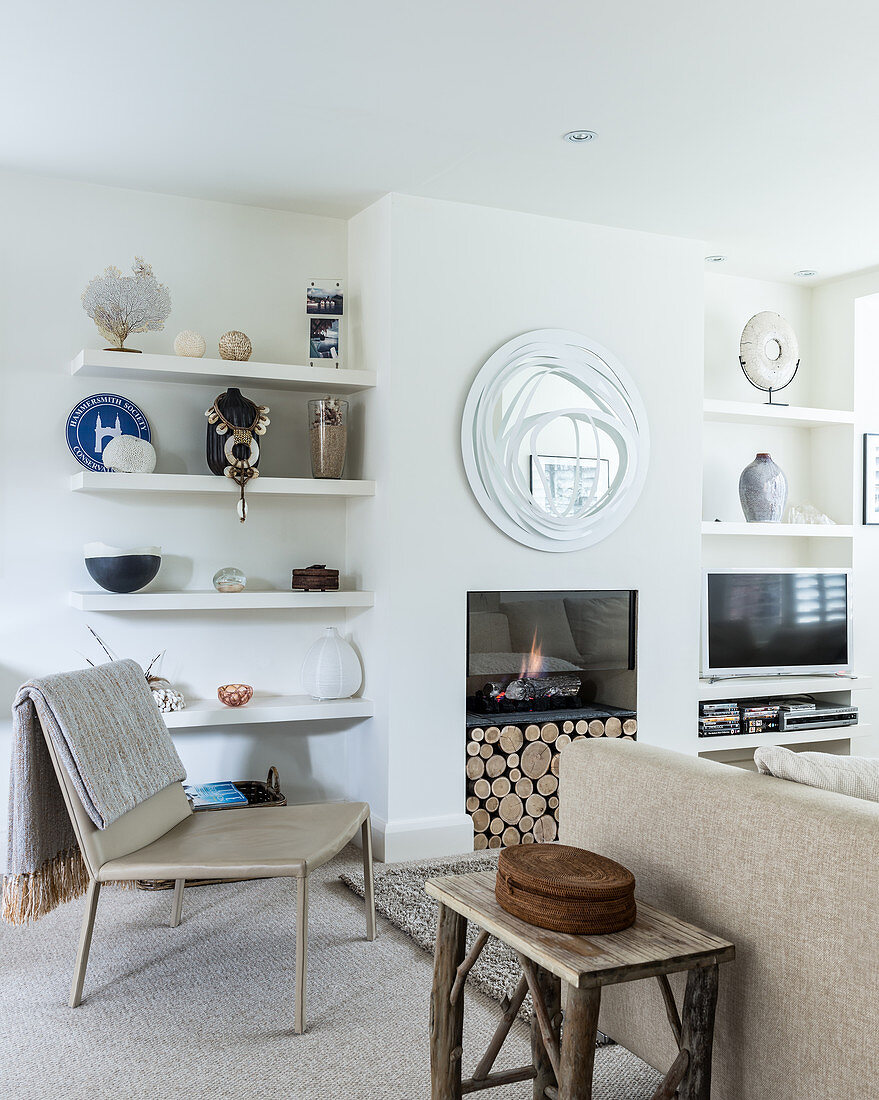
(257, 793)
(565, 889)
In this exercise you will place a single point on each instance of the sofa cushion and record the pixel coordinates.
(856, 776)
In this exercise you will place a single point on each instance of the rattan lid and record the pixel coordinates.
(561, 871)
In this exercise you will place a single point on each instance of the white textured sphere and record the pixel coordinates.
(126, 454)
(235, 345)
(189, 343)
(331, 669)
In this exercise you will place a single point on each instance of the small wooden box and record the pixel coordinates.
(316, 578)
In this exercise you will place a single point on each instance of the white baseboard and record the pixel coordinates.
(421, 837)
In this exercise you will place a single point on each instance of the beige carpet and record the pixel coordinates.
(204, 1011)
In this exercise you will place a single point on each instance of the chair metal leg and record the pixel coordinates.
(85, 942)
(301, 952)
(368, 885)
(177, 902)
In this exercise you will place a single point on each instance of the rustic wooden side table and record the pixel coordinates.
(567, 971)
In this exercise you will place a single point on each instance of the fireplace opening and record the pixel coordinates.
(541, 652)
(543, 669)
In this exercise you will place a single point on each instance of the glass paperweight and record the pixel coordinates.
(230, 579)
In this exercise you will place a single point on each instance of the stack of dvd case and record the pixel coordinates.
(719, 719)
(759, 717)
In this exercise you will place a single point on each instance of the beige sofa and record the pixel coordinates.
(790, 874)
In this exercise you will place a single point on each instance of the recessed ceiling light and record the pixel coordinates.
(805, 273)
(717, 258)
(579, 136)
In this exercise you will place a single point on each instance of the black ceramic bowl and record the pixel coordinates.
(120, 570)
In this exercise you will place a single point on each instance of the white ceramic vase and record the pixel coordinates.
(331, 669)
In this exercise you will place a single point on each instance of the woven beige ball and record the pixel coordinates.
(189, 343)
(235, 345)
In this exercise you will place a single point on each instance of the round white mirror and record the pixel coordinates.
(555, 440)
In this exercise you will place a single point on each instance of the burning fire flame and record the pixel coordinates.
(532, 665)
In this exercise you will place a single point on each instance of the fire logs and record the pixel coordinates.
(527, 688)
(512, 772)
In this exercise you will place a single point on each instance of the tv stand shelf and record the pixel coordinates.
(747, 687)
(797, 737)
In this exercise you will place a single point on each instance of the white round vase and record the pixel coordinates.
(331, 669)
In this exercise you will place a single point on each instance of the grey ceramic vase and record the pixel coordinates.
(763, 491)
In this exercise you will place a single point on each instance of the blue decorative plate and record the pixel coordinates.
(98, 419)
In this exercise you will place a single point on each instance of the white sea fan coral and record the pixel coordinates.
(121, 304)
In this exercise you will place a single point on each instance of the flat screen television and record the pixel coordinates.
(766, 622)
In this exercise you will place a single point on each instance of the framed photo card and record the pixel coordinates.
(325, 307)
(323, 340)
(325, 298)
(871, 479)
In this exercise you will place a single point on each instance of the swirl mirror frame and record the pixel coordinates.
(503, 421)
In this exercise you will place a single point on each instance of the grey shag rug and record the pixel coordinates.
(400, 896)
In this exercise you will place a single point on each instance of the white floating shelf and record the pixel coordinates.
(756, 687)
(780, 530)
(218, 601)
(87, 482)
(791, 416)
(220, 372)
(267, 708)
(758, 740)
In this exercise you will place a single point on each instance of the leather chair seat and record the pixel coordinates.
(254, 842)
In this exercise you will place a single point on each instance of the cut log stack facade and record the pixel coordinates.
(512, 776)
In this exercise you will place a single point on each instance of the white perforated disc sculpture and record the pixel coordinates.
(509, 418)
(769, 351)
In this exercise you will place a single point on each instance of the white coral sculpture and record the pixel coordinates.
(121, 304)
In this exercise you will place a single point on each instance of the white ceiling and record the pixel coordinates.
(751, 126)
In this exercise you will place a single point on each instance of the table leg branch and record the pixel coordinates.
(545, 1074)
(671, 1009)
(669, 1087)
(447, 1019)
(578, 1042)
(467, 965)
(550, 1041)
(503, 1029)
(697, 1031)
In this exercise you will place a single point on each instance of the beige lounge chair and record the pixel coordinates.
(163, 839)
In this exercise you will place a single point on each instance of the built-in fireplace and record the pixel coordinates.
(543, 669)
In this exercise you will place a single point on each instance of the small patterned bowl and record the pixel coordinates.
(235, 695)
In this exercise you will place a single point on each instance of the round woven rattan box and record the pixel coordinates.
(565, 889)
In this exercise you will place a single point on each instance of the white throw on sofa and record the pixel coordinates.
(790, 874)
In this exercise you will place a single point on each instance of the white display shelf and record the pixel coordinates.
(88, 482)
(759, 740)
(757, 687)
(790, 416)
(267, 708)
(779, 530)
(219, 372)
(218, 601)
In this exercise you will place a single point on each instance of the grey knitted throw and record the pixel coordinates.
(109, 735)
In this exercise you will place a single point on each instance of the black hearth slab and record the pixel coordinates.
(540, 717)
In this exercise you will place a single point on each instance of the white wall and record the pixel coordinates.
(846, 327)
(434, 289)
(457, 282)
(226, 267)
